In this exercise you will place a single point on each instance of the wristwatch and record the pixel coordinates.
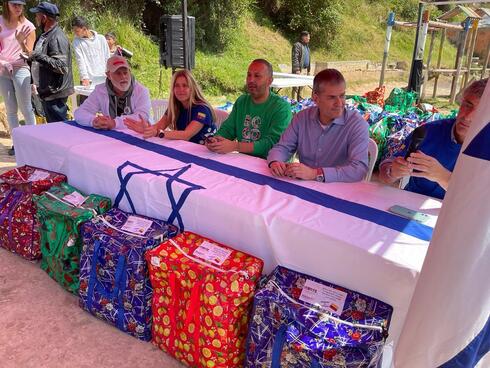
(320, 177)
(161, 133)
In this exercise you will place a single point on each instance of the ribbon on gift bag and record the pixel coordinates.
(116, 294)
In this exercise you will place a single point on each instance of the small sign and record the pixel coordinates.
(137, 225)
(38, 175)
(328, 298)
(212, 253)
(75, 199)
(155, 261)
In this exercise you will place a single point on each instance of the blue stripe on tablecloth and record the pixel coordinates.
(386, 219)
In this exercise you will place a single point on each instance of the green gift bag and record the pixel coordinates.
(61, 211)
(379, 132)
(400, 100)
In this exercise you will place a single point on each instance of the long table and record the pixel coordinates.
(335, 231)
(285, 80)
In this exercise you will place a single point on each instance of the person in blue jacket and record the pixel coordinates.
(431, 166)
(189, 116)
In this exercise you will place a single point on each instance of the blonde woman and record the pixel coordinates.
(189, 116)
(16, 36)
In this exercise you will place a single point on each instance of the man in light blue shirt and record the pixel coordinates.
(331, 141)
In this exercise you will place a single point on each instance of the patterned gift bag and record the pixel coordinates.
(202, 293)
(18, 224)
(32, 179)
(61, 211)
(301, 321)
(19, 228)
(376, 96)
(114, 280)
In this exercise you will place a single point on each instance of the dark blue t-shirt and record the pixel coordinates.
(438, 143)
(202, 114)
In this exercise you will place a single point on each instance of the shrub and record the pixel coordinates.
(216, 20)
(322, 18)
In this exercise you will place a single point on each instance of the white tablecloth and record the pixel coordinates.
(278, 227)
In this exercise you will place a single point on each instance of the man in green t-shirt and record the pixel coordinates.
(258, 117)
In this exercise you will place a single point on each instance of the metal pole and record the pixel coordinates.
(459, 55)
(429, 58)
(390, 23)
(184, 35)
(439, 58)
(471, 49)
(412, 68)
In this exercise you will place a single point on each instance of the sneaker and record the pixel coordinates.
(11, 151)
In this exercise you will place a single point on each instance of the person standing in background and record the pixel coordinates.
(301, 61)
(17, 35)
(51, 63)
(114, 48)
(91, 52)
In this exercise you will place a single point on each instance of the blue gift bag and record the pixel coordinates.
(301, 321)
(114, 279)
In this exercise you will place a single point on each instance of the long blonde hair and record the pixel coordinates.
(6, 12)
(196, 98)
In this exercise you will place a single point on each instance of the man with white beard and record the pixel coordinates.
(120, 97)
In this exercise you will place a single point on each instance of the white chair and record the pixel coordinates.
(221, 115)
(158, 108)
(403, 182)
(372, 157)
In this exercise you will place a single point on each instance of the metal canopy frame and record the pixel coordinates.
(413, 85)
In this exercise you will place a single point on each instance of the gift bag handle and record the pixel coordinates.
(278, 346)
(119, 285)
(16, 200)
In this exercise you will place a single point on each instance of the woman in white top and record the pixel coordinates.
(17, 36)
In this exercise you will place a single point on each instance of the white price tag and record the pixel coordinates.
(75, 198)
(212, 253)
(328, 298)
(137, 225)
(38, 175)
(155, 261)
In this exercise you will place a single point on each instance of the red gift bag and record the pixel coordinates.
(202, 295)
(31, 179)
(18, 223)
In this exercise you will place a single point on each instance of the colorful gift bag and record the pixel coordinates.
(19, 228)
(400, 100)
(301, 321)
(376, 97)
(61, 211)
(202, 294)
(31, 179)
(114, 280)
(379, 132)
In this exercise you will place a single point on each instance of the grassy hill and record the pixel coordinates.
(222, 75)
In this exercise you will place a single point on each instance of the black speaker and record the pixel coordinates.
(172, 44)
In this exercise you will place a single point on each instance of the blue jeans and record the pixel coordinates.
(55, 110)
(16, 92)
